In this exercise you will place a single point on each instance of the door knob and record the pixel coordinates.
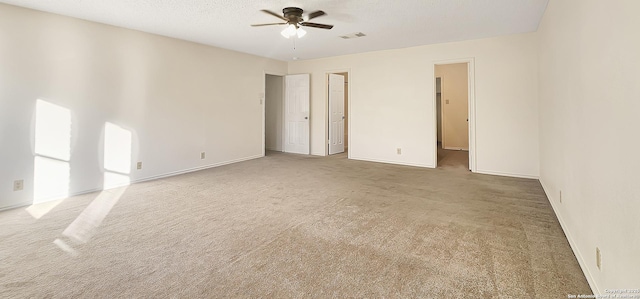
(306, 117)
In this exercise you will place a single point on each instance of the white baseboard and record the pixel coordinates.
(179, 172)
(576, 251)
(391, 162)
(15, 206)
(165, 175)
(72, 194)
(514, 175)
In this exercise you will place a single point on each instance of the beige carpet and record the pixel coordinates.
(295, 226)
(452, 158)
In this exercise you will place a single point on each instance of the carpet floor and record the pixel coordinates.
(291, 226)
(453, 158)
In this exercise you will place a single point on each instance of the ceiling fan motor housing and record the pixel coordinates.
(293, 14)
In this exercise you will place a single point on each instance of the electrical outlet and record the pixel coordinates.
(202, 155)
(447, 101)
(399, 151)
(598, 259)
(139, 165)
(560, 196)
(18, 185)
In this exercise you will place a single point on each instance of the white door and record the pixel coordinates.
(296, 117)
(336, 114)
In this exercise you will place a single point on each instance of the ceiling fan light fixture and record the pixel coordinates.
(301, 32)
(289, 31)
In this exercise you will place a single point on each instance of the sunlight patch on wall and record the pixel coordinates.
(50, 179)
(117, 156)
(114, 180)
(53, 131)
(52, 152)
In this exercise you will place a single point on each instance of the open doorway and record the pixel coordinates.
(452, 115)
(273, 113)
(338, 108)
(286, 113)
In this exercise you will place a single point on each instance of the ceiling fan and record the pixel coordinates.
(292, 16)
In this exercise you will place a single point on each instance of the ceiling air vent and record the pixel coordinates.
(353, 35)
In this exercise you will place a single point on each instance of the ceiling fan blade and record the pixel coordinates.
(268, 24)
(316, 25)
(315, 14)
(274, 14)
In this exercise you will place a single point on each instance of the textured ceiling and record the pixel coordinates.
(387, 24)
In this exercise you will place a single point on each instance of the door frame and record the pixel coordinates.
(473, 161)
(326, 108)
(441, 111)
(263, 103)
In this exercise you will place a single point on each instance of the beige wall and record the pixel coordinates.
(176, 98)
(455, 105)
(589, 105)
(273, 112)
(392, 103)
(569, 92)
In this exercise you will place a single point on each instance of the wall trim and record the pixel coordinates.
(488, 172)
(20, 205)
(188, 170)
(392, 162)
(508, 174)
(581, 261)
(151, 178)
(456, 149)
